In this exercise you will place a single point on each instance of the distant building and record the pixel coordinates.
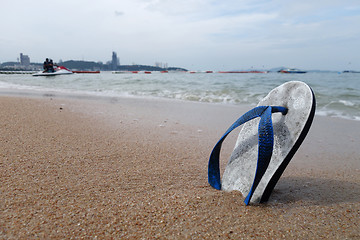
(114, 61)
(161, 65)
(24, 60)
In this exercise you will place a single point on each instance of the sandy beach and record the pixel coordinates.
(127, 168)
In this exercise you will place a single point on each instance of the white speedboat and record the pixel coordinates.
(58, 70)
(291, 70)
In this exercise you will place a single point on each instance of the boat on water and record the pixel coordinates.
(291, 70)
(122, 72)
(58, 70)
(251, 71)
(86, 71)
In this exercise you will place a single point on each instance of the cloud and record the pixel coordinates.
(204, 32)
(118, 13)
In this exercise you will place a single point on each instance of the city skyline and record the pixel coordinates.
(23, 62)
(192, 34)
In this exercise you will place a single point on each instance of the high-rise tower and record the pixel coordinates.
(114, 61)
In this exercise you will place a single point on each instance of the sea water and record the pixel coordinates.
(337, 94)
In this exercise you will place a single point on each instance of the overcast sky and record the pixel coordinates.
(195, 34)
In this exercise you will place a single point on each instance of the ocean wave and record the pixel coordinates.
(335, 97)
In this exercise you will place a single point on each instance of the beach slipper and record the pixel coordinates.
(271, 134)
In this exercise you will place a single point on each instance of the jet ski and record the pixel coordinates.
(58, 70)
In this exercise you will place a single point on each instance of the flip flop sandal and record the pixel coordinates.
(265, 146)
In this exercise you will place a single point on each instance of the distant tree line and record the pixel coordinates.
(86, 65)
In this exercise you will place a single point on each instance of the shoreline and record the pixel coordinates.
(136, 168)
(31, 93)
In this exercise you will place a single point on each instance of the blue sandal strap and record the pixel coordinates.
(213, 166)
(264, 149)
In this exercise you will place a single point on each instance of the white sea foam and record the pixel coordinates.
(346, 103)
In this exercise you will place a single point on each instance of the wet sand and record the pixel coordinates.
(137, 168)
